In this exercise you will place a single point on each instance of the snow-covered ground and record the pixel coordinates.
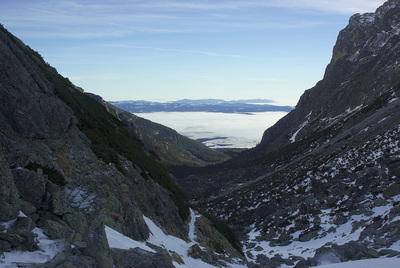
(369, 263)
(47, 250)
(342, 234)
(168, 242)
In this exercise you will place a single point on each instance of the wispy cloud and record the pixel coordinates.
(202, 52)
(338, 6)
(168, 16)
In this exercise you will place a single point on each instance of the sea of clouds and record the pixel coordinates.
(218, 130)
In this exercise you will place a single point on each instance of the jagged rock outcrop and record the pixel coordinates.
(68, 168)
(323, 185)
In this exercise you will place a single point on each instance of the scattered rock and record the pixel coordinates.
(9, 195)
(58, 230)
(389, 253)
(302, 264)
(22, 224)
(392, 191)
(35, 190)
(128, 258)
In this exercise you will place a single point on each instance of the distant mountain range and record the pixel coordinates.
(202, 105)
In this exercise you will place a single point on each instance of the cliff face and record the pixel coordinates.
(364, 66)
(68, 168)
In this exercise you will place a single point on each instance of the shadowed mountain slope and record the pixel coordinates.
(75, 179)
(170, 147)
(324, 183)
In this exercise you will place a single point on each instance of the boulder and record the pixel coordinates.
(9, 195)
(139, 258)
(22, 224)
(58, 230)
(326, 255)
(392, 191)
(31, 185)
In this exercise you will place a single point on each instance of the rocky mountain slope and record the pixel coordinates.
(73, 179)
(169, 146)
(323, 186)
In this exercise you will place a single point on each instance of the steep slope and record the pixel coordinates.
(323, 186)
(172, 148)
(70, 172)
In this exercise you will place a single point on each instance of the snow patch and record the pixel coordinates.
(118, 240)
(174, 244)
(293, 138)
(369, 263)
(48, 250)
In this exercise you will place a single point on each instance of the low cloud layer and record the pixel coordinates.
(219, 129)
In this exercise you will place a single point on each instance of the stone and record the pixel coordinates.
(389, 253)
(61, 204)
(9, 195)
(302, 264)
(176, 258)
(131, 258)
(78, 262)
(394, 169)
(29, 241)
(4, 246)
(392, 191)
(77, 221)
(97, 244)
(22, 224)
(26, 207)
(58, 230)
(307, 236)
(274, 262)
(210, 238)
(195, 252)
(31, 185)
(371, 253)
(285, 239)
(13, 239)
(326, 255)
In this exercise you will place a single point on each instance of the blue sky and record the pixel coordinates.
(172, 49)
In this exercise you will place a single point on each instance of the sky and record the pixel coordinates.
(161, 50)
